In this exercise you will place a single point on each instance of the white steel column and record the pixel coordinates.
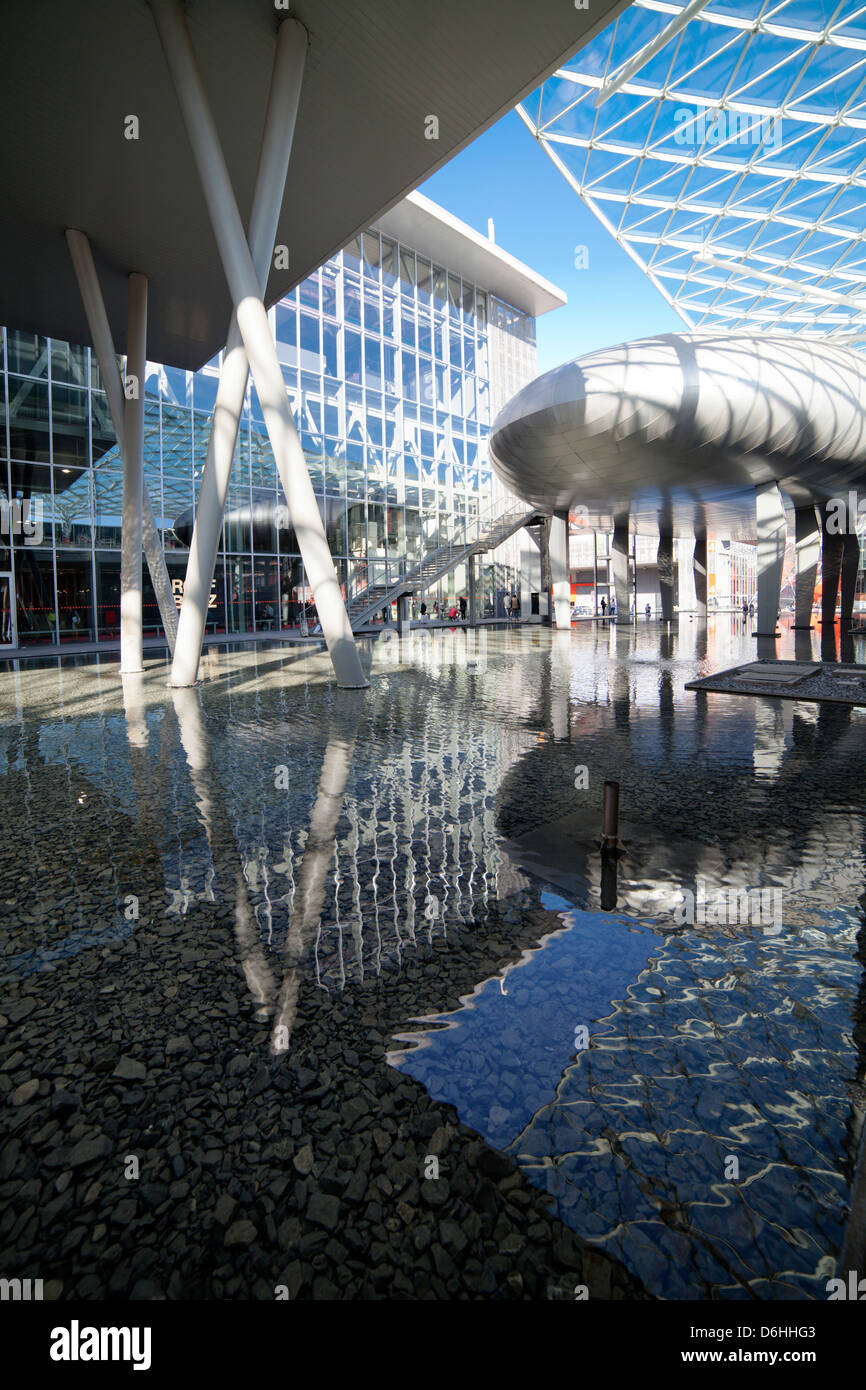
(133, 476)
(276, 149)
(103, 346)
(256, 334)
(559, 573)
(772, 533)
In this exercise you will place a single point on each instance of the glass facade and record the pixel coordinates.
(390, 364)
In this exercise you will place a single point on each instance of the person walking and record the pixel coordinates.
(508, 606)
(423, 612)
(462, 609)
(603, 607)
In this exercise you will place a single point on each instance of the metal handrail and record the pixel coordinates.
(468, 535)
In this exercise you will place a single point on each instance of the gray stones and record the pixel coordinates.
(124, 1212)
(88, 1151)
(175, 1045)
(324, 1210)
(434, 1192)
(241, 1232)
(224, 1209)
(303, 1160)
(353, 1111)
(25, 1092)
(128, 1069)
(65, 1103)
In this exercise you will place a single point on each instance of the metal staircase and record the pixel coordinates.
(488, 530)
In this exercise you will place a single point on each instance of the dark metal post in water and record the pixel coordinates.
(609, 876)
(610, 816)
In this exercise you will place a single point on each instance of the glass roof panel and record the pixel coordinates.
(742, 139)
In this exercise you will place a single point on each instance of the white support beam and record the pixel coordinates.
(255, 331)
(133, 478)
(276, 149)
(641, 59)
(803, 291)
(559, 571)
(103, 346)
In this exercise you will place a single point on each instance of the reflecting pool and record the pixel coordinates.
(282, 945)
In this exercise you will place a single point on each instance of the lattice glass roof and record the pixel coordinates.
(723, 144)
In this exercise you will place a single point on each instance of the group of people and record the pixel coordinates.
(457, 610)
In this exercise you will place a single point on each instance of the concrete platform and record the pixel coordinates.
(790, 680)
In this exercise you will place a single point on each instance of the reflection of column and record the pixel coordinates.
(666, 574)
(619, 564)
(700, 570)
(559, 573)
(807, 533)
(223, 847)
(470, 579)
(831, 566)
(850, 566)
(772, 531)
(318, 854)
(560, 682)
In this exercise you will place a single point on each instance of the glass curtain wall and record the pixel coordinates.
(385, 357)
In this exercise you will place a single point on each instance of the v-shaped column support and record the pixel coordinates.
(103, 346)
(246, 288)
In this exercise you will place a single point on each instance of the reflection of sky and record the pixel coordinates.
(712, 1046)
(503, 1056)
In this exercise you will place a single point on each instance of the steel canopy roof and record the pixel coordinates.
(723, 145)
(376, 69)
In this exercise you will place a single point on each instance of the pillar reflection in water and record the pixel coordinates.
(215, 819)
(318, 855)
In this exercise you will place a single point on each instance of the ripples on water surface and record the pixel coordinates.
(344, 836)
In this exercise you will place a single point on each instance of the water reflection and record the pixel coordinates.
(445, 796)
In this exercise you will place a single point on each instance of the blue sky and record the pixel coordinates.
(505, 175)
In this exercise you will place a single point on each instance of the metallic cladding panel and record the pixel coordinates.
(686, 420)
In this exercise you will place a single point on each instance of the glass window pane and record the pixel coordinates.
(390, 262)
(373, 363)
(308, 292)
(68, 363)
(28, 419)
(407, 272)
(329, 348)
(425, 281)
(353, 356)
(27, 353)
(330, 286)
(69, 425)
(351, 300)
(311, 354)
(352, 255)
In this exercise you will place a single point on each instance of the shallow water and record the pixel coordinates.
(342, 849)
